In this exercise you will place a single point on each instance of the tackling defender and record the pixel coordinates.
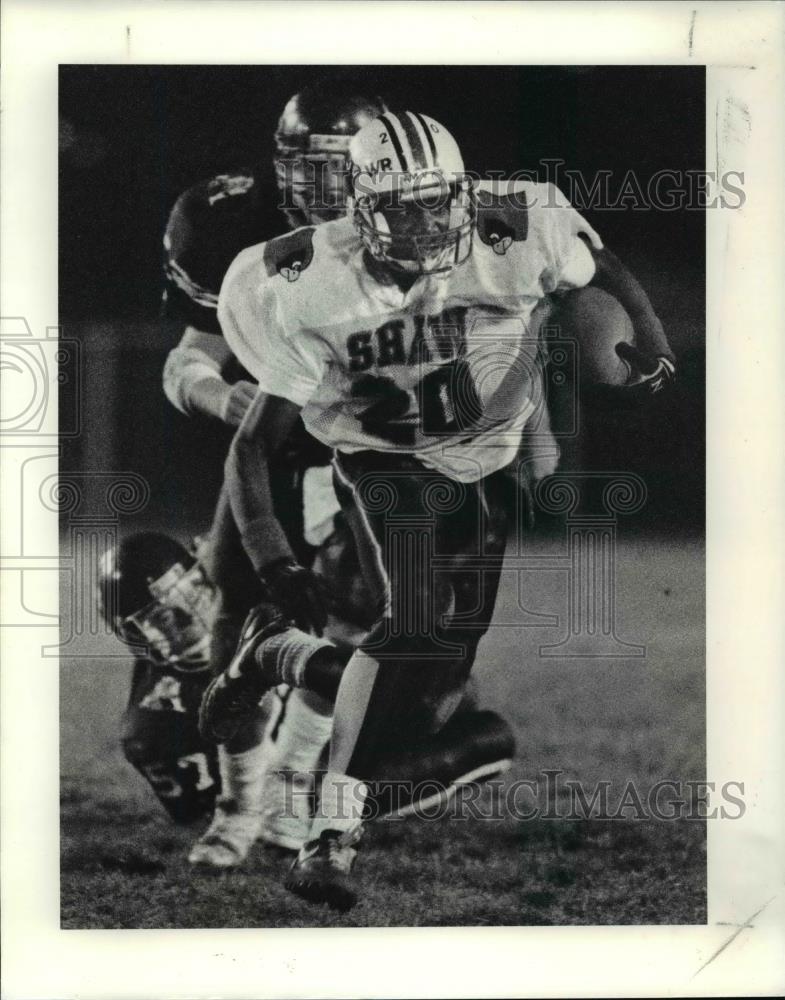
(404, 340)
(158, 600)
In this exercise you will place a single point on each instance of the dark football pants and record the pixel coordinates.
(431, 550)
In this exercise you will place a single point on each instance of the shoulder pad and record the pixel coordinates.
(502, 219)
(289, 255)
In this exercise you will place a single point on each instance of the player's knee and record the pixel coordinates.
(413, 626)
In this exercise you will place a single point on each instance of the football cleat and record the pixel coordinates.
(229, 838)
(321, 872)
(232, 697)
(471, 747)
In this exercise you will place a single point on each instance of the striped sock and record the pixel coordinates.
(286, 655)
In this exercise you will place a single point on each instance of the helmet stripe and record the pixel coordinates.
(395, 141)
(413, 136)
(428, 136)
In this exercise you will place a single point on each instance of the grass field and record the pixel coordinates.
(642, 720)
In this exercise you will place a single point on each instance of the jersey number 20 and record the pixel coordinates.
(447, 401)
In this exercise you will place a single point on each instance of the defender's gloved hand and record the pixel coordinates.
(298, 592)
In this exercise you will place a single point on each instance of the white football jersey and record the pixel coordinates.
(447, 370)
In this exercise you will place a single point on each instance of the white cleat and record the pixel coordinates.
(228, 840)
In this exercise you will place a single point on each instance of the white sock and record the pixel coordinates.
(340, 805)
(303, 732)
(242, 777)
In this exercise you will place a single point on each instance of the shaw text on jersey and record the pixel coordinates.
(433, 338)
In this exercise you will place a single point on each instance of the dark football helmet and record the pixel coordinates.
(311, 147)
(155, 594)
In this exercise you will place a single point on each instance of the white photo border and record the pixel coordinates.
(739, 951)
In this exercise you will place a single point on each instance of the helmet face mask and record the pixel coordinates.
(313, 184)
(157, 597)
(176, 625)
(419, 233)
(412, 203)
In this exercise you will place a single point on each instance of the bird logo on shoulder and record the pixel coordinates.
(501, 220)
(290, 255)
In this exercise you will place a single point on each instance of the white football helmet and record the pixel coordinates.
(411, 200)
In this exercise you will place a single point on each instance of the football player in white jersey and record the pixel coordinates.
(402, 334)
(209, 225)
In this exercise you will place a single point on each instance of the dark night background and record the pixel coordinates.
(133, 137)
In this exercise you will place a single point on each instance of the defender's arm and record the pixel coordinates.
(193, 381)
(264, 431)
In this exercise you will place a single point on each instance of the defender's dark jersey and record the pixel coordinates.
(210, 224)
(160, 737)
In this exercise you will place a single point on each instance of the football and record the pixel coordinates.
(597, 322)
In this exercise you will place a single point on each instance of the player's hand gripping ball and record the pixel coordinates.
(597, 322)
(612, 370)
(649, 374)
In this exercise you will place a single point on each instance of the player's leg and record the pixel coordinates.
(409, 646)
(440, 566)
(276, 752)
(295, 658)
(238, 818)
